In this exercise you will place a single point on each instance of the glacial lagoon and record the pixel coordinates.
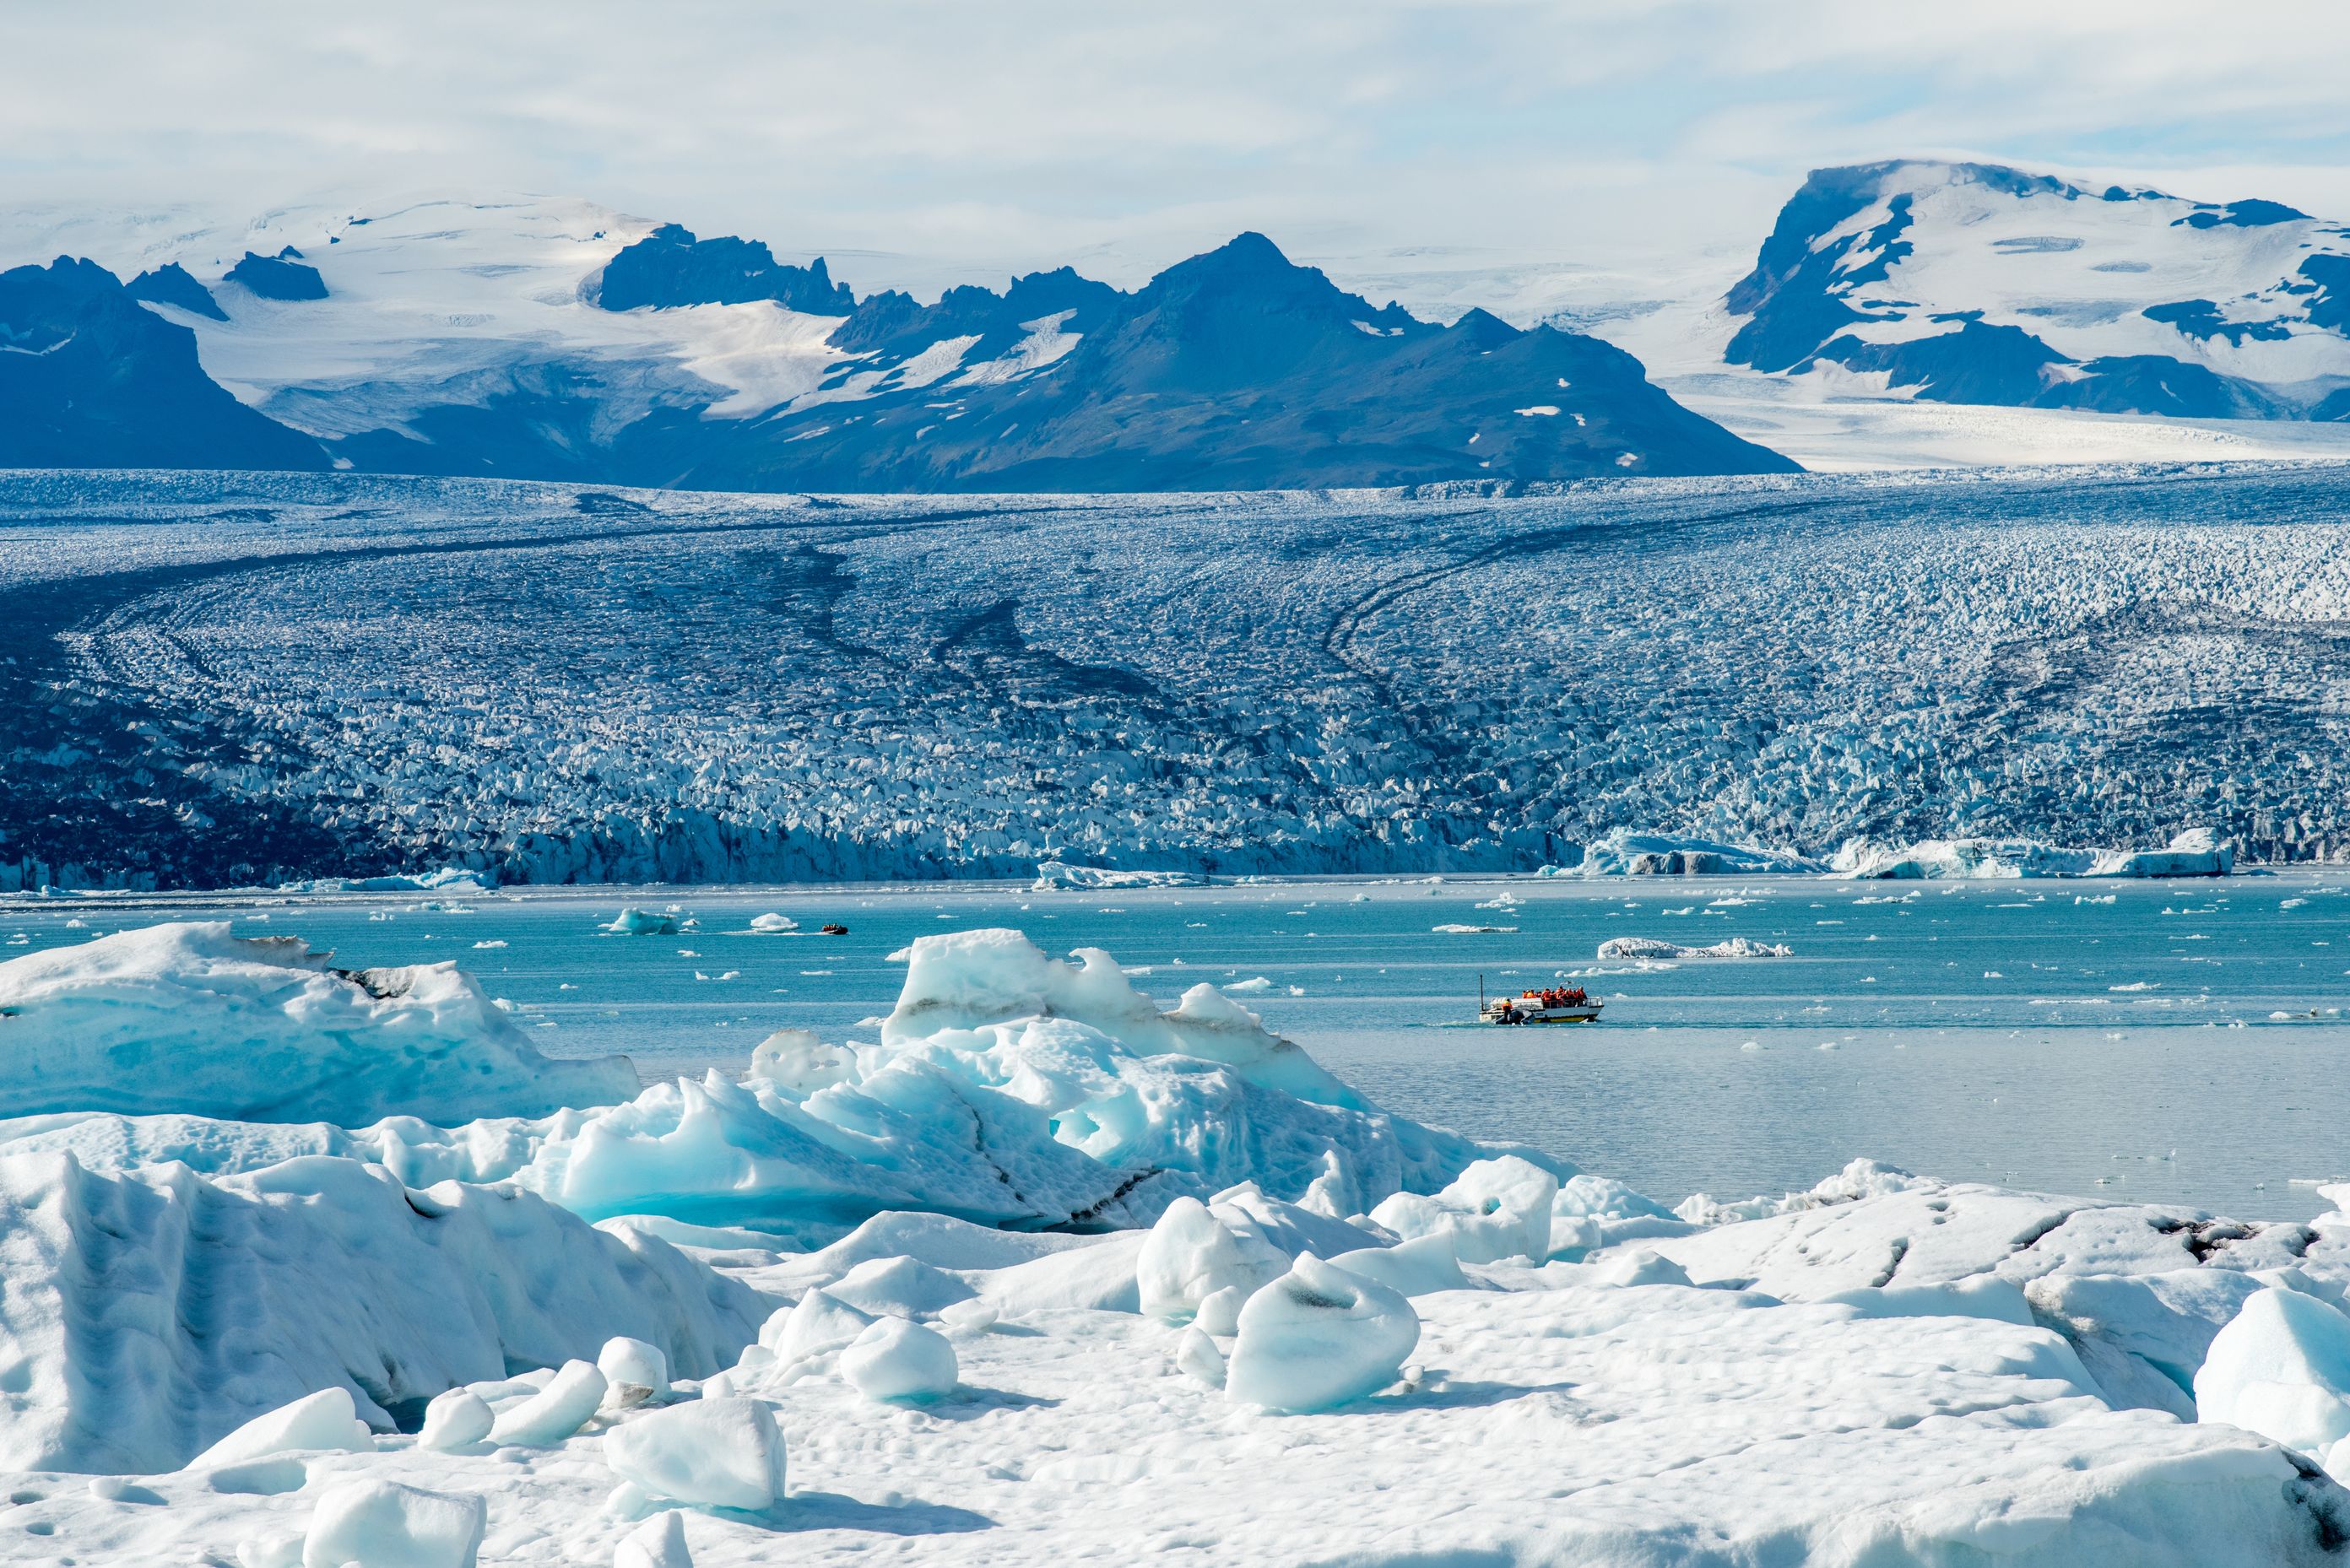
(2171, 1041)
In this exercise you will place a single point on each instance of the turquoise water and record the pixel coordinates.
(2162, 1042)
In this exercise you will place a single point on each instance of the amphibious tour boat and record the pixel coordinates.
(1552, 1004)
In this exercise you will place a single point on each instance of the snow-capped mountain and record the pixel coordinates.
(542, 338)
(1967, 283)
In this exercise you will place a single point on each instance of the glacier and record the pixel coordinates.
(253, 680)
(280, 1342)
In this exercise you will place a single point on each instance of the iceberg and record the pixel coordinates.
(187, 1017)
(447, 879)
(1622, 852)
(1055, 876)
(1005, 1087)
(1652, 948)
(2197, 852)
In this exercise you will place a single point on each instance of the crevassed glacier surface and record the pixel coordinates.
(238, 679)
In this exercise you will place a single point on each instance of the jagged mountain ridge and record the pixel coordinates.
(1969, 283)
(553, 340)
(91, 378)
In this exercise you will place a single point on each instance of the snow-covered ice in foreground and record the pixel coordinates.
(1319, 1337)
(1499, 1357)
(2282, 1369)
(723, 1453)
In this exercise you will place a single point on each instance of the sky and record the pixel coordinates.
(927, 140)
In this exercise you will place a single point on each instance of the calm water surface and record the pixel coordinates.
(2175, 1042)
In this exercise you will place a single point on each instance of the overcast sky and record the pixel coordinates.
(1013, 132)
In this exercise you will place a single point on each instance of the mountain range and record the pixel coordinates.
(547, 340)
(1971, 283)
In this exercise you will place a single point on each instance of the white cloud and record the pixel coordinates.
(1018, 133)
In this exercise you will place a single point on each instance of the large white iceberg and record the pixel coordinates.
(1654, 948)
(1623, 852)
(2197, 852)
(1005, 1087)
(1060, 875)
(188, 1017)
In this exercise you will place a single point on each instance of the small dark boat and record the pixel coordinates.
(833, 929)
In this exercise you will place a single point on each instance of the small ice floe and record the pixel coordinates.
(634, 922)
(1653, 947)
(1254, 982)
(772, 925)
(1454, 929)
(2135, 985)
(1994, 974)
(2293, 903)
(2092, 897)
(493, 942)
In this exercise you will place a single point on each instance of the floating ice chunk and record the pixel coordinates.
(1197, 1357)
(2197, 852)
(1652, 948)
(456, 1420)
(897, 1360)
(1496, 1209)
(383, 1524)
(556, 1411)
(447, 878)
(772, 925)
(1254, 984)
(904, 1286)
(716, 1453)
(189, 1018)
(1639, 1266)
(633, 922)
(819, 1323)
(2282, 1369)
(1318, 1337)
(1190, 1254)
(325, 1420)
(633, 1370)
(1053, 875)
(1414, 1267)
(1455, 929)
(1621, 852)
(658, 1542)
